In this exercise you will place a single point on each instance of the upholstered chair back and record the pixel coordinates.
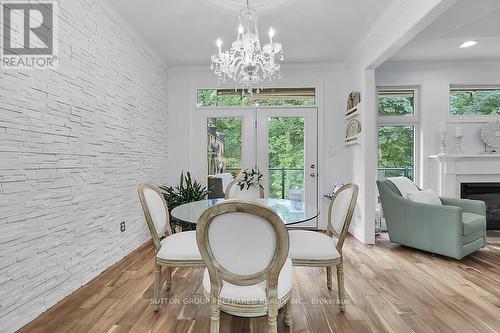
(233, 191)
(242, 243)
(155, 211)
(402, 186)
(341, 211)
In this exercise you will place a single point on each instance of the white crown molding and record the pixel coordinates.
(438, 65)
(114, 14)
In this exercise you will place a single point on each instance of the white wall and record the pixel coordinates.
(329, 80)
(364, 156)
(401, 22)
(74, 144)
(433, 81)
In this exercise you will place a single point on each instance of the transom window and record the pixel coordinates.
(396, 103)
(474, 102)
(265, 97)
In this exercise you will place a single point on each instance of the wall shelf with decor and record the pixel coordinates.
(353, 112)
(353, 103)
(351, 141)
(353, 124)
(352, 132)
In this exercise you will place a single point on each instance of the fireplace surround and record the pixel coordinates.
(473, 177)
(490, 194)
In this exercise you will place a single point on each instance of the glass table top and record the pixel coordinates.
(291, 212)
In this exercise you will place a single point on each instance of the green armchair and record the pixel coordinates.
(455, 229)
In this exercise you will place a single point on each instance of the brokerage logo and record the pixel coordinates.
(28, 34)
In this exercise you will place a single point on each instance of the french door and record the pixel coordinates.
(280, 142)
(286, 153)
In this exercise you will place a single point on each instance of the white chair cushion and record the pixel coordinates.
(256, 292)
(180, 246)
(340, 209)
(156, 209)
(234, 249)
(312, 245)
(404, 185)
(426, 196)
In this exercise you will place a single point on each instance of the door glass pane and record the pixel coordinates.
(286, 159)
(396, 145)
(224, 144)
(223, 153)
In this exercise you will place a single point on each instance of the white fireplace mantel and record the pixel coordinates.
(457, 169)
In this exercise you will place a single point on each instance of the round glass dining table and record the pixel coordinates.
(291, 212)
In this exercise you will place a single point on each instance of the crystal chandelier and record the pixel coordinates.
(247, 63)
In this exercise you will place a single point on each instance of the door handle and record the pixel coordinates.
(312, 174)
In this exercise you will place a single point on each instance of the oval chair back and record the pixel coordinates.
(226, 234)
(340, 213)
(155, 211)
(244, 244)
(233, 191)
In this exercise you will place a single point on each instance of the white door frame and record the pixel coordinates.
(249, 130)
(310, 115)
(199, 125)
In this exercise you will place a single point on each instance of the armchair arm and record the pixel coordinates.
(434, 228)
(446, 219)
(469, 206)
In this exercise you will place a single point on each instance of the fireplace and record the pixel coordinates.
(490, 194)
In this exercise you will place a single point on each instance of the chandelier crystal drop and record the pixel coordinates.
(246, 62)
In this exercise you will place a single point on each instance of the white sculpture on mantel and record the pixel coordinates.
(443, 130)
(459, 135)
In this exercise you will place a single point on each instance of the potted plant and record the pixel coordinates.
(188, 190)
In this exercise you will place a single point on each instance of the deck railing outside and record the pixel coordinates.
(283, 175)
(395, 172)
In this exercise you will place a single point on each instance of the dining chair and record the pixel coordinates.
(233, 191)
(171, 250)
(245, 248)
(315, 249)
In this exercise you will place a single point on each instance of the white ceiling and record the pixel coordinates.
(467, 20)
(183, 32)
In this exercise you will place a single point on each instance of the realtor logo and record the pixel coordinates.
(28, 34)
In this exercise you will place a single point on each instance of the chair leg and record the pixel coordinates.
(156, 287)
(288, 313)
(340, 282)
(169, 277)
(272, 315)
(214, 317)
(329, 270)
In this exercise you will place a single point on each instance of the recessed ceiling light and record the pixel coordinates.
(468, 43)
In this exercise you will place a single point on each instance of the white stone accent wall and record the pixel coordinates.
(74, 144)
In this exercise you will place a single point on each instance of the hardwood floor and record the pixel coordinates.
(390, 288)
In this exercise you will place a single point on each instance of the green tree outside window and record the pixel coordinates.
(396, 142)
(475, 102)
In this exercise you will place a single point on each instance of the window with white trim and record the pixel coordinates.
(397, 128)
(264, 97)
(479, 101)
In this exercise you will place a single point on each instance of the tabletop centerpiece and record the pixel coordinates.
(248, 177)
